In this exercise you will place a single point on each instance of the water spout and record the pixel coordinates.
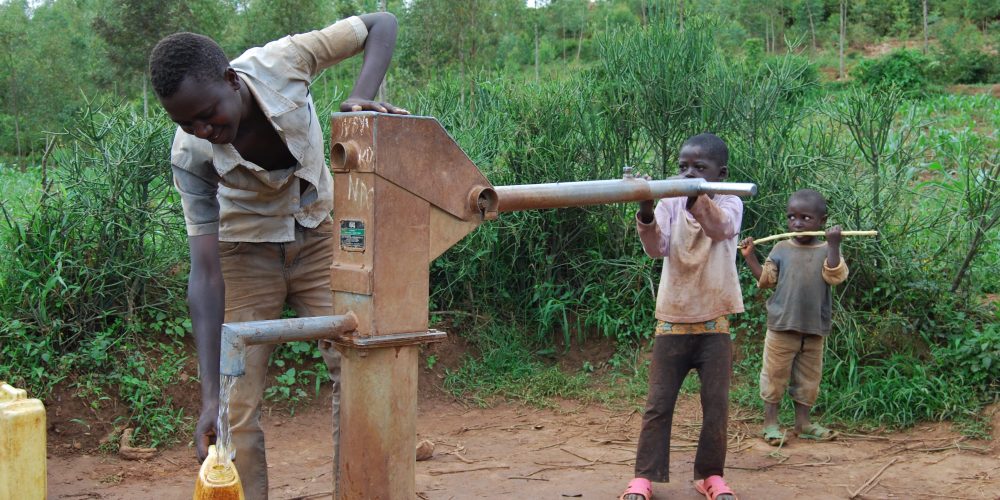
(237, 336)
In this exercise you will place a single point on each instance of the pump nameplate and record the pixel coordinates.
(352, 235)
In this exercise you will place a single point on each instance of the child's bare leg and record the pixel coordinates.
(771, 413)
(801, 416)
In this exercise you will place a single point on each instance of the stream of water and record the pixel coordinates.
(224, 438)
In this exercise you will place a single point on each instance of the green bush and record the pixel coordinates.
(963, 56)
(93, 282)
(904, 69)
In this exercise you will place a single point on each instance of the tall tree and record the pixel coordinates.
(13, 35)
(130, 28)
(843, 37)
(267, 20)
(925, 26)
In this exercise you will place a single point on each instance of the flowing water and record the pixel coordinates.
(224, 438)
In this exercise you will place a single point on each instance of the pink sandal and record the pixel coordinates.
(712, 487)
(639, 486)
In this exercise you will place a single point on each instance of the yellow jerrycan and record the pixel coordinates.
(217, 481)
(22, 445)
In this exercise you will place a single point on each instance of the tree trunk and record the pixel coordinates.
(17, 114)
(977, 241)
(843, 36)
(579, 45)
(812, 27)
(925, 26)
(537, 79)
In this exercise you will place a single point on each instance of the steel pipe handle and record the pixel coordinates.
(584, 193)
(237, 336)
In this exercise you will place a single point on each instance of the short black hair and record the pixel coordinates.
(713, 147)
(812, 197)
(183, 55)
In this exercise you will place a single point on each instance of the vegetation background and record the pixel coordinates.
(889, 107)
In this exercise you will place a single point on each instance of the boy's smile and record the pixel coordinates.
(804, 215)
(208, 110)
(693, 162)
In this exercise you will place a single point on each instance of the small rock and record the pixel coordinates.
(425, 450)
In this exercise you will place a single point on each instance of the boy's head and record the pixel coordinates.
(806, 211)
(194, 83)
(704, 156)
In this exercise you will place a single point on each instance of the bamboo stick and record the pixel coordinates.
(812, 233)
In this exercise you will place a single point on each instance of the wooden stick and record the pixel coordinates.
(812, 233)
(864, 487)
(438, 472)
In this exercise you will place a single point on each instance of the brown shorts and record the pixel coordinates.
(792, 361)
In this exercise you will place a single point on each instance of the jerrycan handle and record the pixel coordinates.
(9, 393)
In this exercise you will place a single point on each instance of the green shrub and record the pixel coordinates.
(904, 69)
(963, 56)
(973, 359)
(92, 289)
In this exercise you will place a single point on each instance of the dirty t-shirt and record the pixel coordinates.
(699, 281)
(801, 280)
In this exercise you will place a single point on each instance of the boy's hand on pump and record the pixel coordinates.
(356, 104)
(833, 235)
(746, 247)
(646, 206)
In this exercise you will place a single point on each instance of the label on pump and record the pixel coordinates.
(352, 235)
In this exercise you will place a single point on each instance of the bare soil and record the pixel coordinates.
(572, 450)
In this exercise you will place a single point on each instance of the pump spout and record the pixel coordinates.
(579, 194)
(237, 336)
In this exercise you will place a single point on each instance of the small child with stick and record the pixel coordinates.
(801, 271)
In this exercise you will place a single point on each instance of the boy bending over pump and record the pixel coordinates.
(248, 162)
(801, 271)
(696, 237)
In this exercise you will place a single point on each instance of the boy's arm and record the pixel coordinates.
(834, 268)
(654, 229)
(206, 305)
(375, 34)
(720, 217)
(750, 256)
(379, 45)
(197, 183)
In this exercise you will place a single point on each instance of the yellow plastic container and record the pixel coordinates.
(217, 481)
(22, 445)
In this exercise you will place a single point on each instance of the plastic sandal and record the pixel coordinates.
(639, 486)
(713, 487)
(773, 435)
(817, 432)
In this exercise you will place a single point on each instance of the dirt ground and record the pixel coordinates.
(571, 451)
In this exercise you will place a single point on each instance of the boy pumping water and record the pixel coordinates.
(801, 271)
(699, 288)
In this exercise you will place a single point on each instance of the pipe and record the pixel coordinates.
(578, 194)
(237, 336)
